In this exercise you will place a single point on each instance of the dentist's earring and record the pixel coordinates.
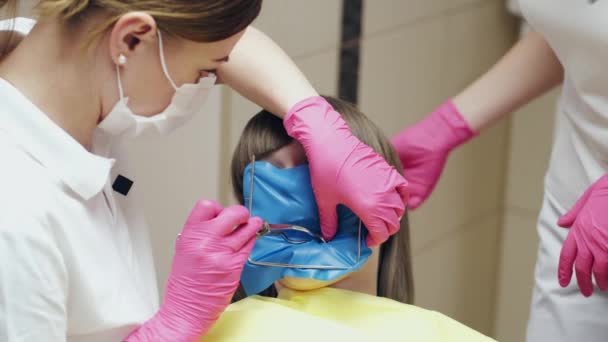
(122, 60)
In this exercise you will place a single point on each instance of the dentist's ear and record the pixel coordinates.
(129, 31)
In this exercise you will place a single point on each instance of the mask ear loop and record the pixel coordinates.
(163, 64)
(120, 91)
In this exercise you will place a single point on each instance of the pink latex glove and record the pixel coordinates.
(345, 171)
(586, 246)
(424, 149)
(209, 256)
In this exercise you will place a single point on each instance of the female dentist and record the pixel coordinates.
(570, 46)
(76, 266)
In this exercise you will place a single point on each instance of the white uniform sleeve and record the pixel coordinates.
(33, 285)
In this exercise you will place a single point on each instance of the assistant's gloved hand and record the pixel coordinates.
(586, 246)
(424, 149)
(209, 256)
(345, 171)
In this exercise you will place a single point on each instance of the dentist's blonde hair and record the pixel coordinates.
(201, 21)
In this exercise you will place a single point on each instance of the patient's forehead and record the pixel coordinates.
(290, 155)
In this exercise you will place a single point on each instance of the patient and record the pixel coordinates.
(307, 303)
(388, 271)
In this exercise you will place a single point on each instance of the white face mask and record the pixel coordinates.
(186, 102)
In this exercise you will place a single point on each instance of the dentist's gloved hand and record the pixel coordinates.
(424, 149)
(209, 256)
(345, 171)
(586, 247)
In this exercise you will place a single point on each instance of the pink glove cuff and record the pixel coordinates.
(292, 119)
(448, 116)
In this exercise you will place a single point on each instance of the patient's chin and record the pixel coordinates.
(307, 284)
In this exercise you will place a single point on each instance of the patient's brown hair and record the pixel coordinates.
(265, 134)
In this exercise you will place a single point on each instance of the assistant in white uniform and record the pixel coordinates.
(577, 30)
(569, 46)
